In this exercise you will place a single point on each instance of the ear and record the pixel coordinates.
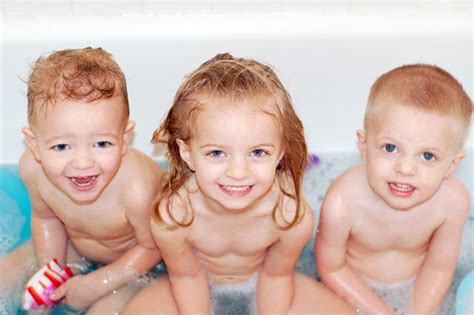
(31, 142)
(185, 153)
(362, 143)
(282, 154)
(127, 136)
(454, 164)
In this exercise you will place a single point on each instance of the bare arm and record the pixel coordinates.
(141, 198)
(81, 291)
(276, 279)
(188, 280)
(134, 262)
(139, 218)
(330, 251)
(434, 278)
(47, 231)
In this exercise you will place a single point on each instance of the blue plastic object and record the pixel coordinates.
(12, 186)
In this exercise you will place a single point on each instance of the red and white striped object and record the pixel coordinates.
(42, 284)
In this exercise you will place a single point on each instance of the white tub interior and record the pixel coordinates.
(327, 53)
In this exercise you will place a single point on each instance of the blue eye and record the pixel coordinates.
(216, 153)
(103, 144)
(428, 156)
(60, 147)
(389, 148)
(258, 153)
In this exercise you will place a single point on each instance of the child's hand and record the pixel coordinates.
(44, 281)
(79, 292)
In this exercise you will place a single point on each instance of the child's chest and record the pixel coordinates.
(100, 219)
(395, 230)
(239, 237)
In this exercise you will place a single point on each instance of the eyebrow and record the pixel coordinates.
(224, 147)
(55, 138)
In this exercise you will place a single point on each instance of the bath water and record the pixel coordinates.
(15, 216)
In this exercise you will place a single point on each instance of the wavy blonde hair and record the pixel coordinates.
(227, 77)
(81, 74)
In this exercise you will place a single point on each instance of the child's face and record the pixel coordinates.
(80, 145)
(235, 149)
(409, 153)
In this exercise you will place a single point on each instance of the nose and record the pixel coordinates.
(238, 169)
(82, 159)
(406, 166)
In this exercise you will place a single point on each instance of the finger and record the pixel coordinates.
(59, 293)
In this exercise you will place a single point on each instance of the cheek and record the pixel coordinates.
(378, 166)
(206, 172)
(111, 162)
(432, 177)
(265, 173)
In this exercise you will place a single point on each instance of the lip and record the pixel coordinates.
(401, 189)
(236, 191)
(83, 183)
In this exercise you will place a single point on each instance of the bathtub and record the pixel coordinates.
(326, 53)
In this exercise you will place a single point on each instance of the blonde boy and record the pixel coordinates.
(394, 223)
(90, 194)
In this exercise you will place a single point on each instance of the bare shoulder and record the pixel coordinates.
(138, 164)
(29, 168)
(141, 179)
(347, 188)
(352, 177)
(303, 229)
(165, 229)
(33, 177)
(454, 196)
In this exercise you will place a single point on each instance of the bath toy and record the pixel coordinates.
(465, 294)
(42, 284)
(313, 161)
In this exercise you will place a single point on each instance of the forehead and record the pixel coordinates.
(414, 125)
(79, 114)
(236, 119)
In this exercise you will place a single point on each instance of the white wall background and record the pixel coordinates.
(327, 53)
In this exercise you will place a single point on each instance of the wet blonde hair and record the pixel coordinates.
(80, 74)
(232, 78)
(424, 87)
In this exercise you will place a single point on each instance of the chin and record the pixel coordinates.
(402, 205)
(83, 197)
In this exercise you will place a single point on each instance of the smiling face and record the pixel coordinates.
(80, 145)
(234, 150)
(409, 153)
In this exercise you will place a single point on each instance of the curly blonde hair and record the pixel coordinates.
(81, 74)
(235, 78)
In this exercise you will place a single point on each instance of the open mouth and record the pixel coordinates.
(236, 191)
(402, 190)
(83, 183)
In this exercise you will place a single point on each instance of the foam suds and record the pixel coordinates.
(228, 299)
